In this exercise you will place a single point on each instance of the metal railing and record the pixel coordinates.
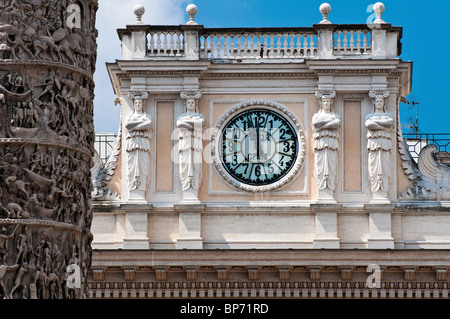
(417, 141)
(103, 144)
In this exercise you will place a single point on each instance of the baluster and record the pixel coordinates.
(255, 46)
(212, 46)
(203, 53)
(273, 45)
(272, 52)
(338, 41)
(299, 45)
(219, 46)
(352, 41)
(292, 46)
(164, 43)
(251, 45)
(305, 45)
(225, 45)
(258, 46)
(171, 44)
(241, 48)
(312, 46)
(247, 46)
(279, 47)
(152, 43)
(345, 41)
(232, 46)
(266, 46)
(245, 52)
(202, 46)
(158, 43)
(178, 33)
(365, 41)
(285, 52)
(267, 42)
(358, 41)
(237, 50)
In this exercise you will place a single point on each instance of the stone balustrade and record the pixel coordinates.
(253, 43)
(323, 40)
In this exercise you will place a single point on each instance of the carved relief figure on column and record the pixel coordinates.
(46, 141)
(379, 125)
(190, 146)
(326, 141)
(57, 31)
(138, 125)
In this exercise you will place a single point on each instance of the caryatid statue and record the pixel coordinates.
(379, 124)
(326, 143)
(138, 125)
(190, 146)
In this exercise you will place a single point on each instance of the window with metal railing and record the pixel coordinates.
(417, 141)
(103, 144)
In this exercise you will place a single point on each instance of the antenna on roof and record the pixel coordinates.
(412, 102)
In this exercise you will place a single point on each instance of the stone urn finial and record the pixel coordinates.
(139, 11)
(378, 8)
(191, 10)
(325, 9)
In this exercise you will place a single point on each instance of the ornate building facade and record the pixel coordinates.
(266, 162)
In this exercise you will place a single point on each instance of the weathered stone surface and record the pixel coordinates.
(46, 144)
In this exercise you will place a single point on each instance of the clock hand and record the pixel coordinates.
(252, 132)
(257, 142)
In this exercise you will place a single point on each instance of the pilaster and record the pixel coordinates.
(136, 227)
(325, 226)
(380, 226)
(325, 42)
(192, 41)
(190, 222)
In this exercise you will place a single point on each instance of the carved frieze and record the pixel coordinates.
(57, 31)
(47, 137)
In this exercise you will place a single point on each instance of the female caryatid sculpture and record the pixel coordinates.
(190, 147)
(138, 125)
(326, 144)
(379, 124)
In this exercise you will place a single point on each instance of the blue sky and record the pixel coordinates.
(425, 41)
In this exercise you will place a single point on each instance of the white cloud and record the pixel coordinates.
(113, 15)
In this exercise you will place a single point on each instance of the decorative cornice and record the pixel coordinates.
(254, 288)
(230, 75)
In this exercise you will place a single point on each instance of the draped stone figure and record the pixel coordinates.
(379, 124)
(190, 146)
(138, 125)
(326, 144)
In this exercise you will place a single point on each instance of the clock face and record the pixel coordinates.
(259, 147)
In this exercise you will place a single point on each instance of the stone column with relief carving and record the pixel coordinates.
(46, 144)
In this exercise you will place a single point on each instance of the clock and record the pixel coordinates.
(260, 146)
